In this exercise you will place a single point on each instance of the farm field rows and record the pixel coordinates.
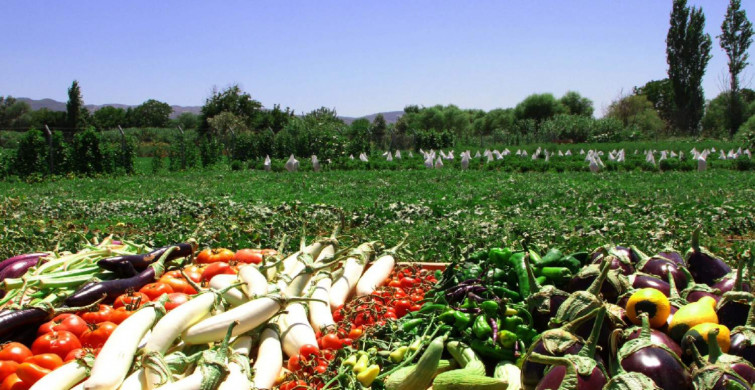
(445, 212)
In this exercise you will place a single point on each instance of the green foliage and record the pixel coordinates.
(359, 137)
(274, 119)
(210, 151)
(379, 129)
(687, 53)
(183, 144)
(576, 104)
(232, 100)
(152, 113)
(157, 162)
(11, 112)
(538, 107)
(608, 130)
(188, 120)
(746, 134)
(109, 117)
(87, 157)
(567, 127)
(661, 94)
(32, 154)
(638, 112)
(735, 39)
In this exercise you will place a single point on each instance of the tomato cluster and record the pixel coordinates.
(313, 364)
(21, 367)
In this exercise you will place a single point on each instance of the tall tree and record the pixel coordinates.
(74, 107)
(379, 128)
(153, 113)
(687, 54)
(231, 99)
(576, 104)
(735, 39)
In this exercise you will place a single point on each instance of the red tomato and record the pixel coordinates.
(308, 350)
(293, 385)
(175, 300)
(248, 256)
(7, 367)
(394, 283)
(402, 307)
(68, 321)
(101, 315)
(30, 373)
(214, 255)
(13, 382)
(155, 290)
(331, 341)
(49, 361)
(14, 351)
(354, 333)
(134, 299)
(96, 336)
(216, 269)
(120, 314)
(407, 282)
(80, 353)
(178, 284)
(58, 342)
(293, 363)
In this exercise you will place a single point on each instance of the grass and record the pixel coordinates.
(445, 212)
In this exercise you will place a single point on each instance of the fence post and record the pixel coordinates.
(51, 151)
(183, 149)
(123, 147)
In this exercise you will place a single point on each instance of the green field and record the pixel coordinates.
(445, 212)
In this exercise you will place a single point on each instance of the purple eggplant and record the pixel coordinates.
(743, 338)
(18, 268)
(110, 289)
(728, 283)
(661, 267)
(581, 303)
(672, 255)
(704, 266)
(580, 371)
(615, 284)
(717, 372)
(638, 281)
(733, 307)
(624, 380)
(617, 263)
(553, 342)
(656, 337)
(9, 261)
(654, 360)
(544, 304)
(129, 265)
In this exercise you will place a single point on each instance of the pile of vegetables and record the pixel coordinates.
(117, 315)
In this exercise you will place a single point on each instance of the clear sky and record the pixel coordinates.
(360, 57)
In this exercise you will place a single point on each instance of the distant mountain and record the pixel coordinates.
(54, 105)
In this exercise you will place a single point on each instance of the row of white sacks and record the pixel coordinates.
(593, 157)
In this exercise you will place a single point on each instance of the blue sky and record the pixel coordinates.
(357, 56)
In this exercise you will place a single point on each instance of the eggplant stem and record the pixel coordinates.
(751, 315)
(572, 325)
(588, 350)
(714, 350)
(595, 286)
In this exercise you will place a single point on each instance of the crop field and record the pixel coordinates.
(445, 212)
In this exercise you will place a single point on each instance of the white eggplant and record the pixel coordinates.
(250, 315)
(136, 381)
(191, 382)
(234, 296)
(376, 275)
(255, 283)
(353, 267)
(63, 377)
(320, 316)
(117, 355)
(269, 360)
(170, 327)
(296, 330)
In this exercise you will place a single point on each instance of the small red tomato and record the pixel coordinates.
(354, 333)
(120, 314)
(408, 282)
(68, 321)
(58, 342)
(101, 314)
(308, 350)
(216, 269)
(293, 363)
(14, 351)
(133, 299)
(214, 255)
(96, 336)
(155, 290)
(248, 256)
(331, 341)
(176, 299)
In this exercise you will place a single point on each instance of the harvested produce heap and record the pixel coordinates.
(118, 315)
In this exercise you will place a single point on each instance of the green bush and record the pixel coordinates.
(87, 157)
(32, 154)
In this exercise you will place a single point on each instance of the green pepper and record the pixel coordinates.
(448, 316)
(489, 307)
(488, 349)
(541, 280)
(551, 257)
(507, 339)
(503, 292)
(432, 308)
(558, 275)
(499, 256)
(478, 257)
(408, 326)
(510, 323)
(519, 264)
(525, 333)
(438, 274)
(461, 320)
(534, 257)
(497, 275)
(468, 304)
(481, 328)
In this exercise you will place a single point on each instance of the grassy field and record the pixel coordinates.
(445, 212)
